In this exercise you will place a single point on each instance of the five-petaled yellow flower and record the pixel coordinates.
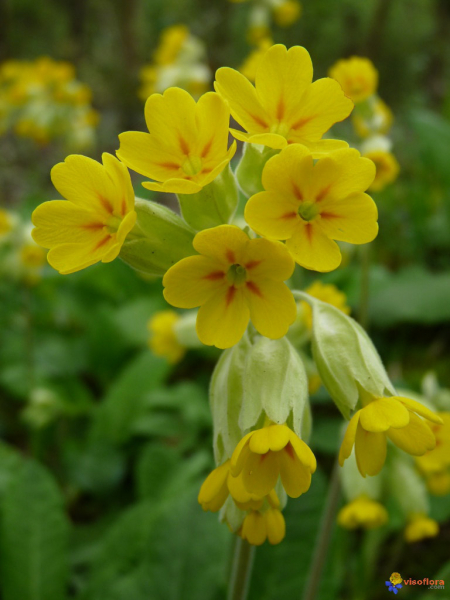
(284, 107)
(312, 204)
(357, 76)
(395, 418)
(233, 280)
(387, 168)
(264, 455)
(92, 224)
(362, 512)
(187, 145)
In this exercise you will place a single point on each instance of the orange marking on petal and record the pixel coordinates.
(252, 264)
(321, 195)
(93, 226)
(297, 192)
(105, 203)
(230, 295)
(289, 215)
(215, 275)
(259, 121)
(230, 256)
(280, 109)
(102, 242)
(289, 450)
(206, 171)
(183, 145)
(308, 230)
(298, 124)
(169, 165)
(124, 207)
(326, 215)
(254, 288)
(206, 149)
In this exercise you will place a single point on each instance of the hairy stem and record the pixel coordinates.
(241, 570)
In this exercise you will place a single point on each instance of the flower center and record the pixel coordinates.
(236, 275)
(113, 224)
(280, 128)
(192, 165)
(308, 210)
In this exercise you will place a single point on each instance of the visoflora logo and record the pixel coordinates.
(396, 582)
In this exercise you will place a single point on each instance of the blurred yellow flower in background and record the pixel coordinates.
(163, 340)
(327, 292)
(357, 76)
(287, 12)
(387, 168)
(420, 527)
(377, 121)
(5, 222)
(250, 64)
(362, 512)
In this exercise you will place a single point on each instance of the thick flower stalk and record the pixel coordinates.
(92, 224)
(311, 204)
(187, 147)
(234, 279)
(284, 107)
(395, 418)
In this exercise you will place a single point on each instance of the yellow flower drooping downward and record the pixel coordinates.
(420, 527)
(259, 526)
(264, 455)
(362, 512)
(396, 418)
(327, 292)
(187, 145)
(312, 204)
(435, 464)
(387, 168)
(357, 76)
(92, 224)
(163, 341)
(233, 280)
(287, 12)
(284, 107)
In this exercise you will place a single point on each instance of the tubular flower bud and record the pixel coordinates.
(420, 527)
(187, 145)
(264, 455)
(92, 224)
(396, 418)
(234, 279)
(357, 76)
(284, 107)
(362, 512)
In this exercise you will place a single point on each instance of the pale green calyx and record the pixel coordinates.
(355, 485)
(213, 205)
(159, 239)
(256, 379)
(405, 484)
(249, 170)
(345, 356)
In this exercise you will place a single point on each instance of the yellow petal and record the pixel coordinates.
(312, 249)
(69, 258)
(272, 307)
(289, 172)
(420, 409)
(281, 78)
(322, 105)
(352, 219)
(173, 186)
(260, 473)
(124, 200)
(272, 140)
(213, 120)
(225, 244)
(304, 452)
(193, 281)
(370, 450)
(238, 491)
(214, 490)
(416, 438)
(240, 455)
(295, 477)
(242, 100)
(383, 413)
(272, 214)
(264, 259)
(211, 170)
(276, 525)
(223, 319)
(274, 437)
(254, 528)
(321, 148)
(349, 438)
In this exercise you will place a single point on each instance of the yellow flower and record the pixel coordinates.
(93, 223)
(420, 527)
(327, 292)
(362, 512)
(5, 222)
(264, 455)
(287, 13)
(357, 76)
(395, 578)
(379, 121)
(170, 45)
(32, 256)
(284, 107)
(259, 526)
(395, 418)
(438, 482)
(387, 168)
(439, 458)
(187, 145)
(251, 63)
(312, 204)
(233, 280)
(163, 341)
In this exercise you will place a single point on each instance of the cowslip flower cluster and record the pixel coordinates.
(307, 194)
(43, 100)
(179, 60)
(372, 118)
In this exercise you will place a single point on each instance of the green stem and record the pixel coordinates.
(324, 536)
(363, 316)
(241, 570)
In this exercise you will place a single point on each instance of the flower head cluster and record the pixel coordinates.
(43, 100)
(179, 60)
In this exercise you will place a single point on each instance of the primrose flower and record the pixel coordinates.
(92, 224)
(438, 482)
(377, 121)
(395, 418)
(357, 76)
(420, 527)
(327, 292)
(312, 204)
(259, 526)
(187, 145)
(362, 512)
(163, 341)
(234, 279)
(387, 168)
(284, 107)
(6, 222)
(264, 455)
(435, 464)
(287, 12)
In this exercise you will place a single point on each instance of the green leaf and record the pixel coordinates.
(34, 537)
